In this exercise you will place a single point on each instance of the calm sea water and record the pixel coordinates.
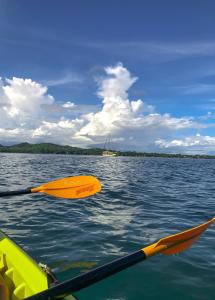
(142, 200)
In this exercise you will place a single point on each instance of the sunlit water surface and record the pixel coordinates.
(142, 200)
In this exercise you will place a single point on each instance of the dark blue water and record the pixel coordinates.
(142, 200)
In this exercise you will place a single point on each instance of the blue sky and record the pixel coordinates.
(65, 47)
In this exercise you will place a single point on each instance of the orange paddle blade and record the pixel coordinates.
(177, 243)
(71, 187)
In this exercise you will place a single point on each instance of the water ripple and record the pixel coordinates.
(142, 200)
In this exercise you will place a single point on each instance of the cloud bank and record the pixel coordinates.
(195, 144)
(29, 113)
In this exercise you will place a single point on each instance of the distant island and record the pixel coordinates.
(49, 148)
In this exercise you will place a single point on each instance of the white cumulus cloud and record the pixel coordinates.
(29, 113)
(121, 116)
(68, 104)
(195, 144)
(22, 100)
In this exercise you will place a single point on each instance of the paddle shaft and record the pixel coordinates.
(91, 277)
(14, 193)
(169, 245)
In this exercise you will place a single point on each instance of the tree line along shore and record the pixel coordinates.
(49, 148)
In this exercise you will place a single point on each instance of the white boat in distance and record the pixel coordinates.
(109, 153)
(107, 150)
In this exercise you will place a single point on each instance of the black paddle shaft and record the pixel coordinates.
(14, 193)
(83, 281)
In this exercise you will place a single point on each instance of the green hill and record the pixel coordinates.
(46, 148)
(49, 148)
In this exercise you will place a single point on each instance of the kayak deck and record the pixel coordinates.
(20, 275)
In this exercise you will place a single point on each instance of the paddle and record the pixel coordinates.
(70, 188)
(168, 245)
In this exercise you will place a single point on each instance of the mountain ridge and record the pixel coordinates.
(51, 148)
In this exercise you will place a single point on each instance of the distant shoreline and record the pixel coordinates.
(49, 148)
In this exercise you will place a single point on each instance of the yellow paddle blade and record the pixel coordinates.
(177, 243)
(71, 187)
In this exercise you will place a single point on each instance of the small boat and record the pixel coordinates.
(109, 153)
(107, 148)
